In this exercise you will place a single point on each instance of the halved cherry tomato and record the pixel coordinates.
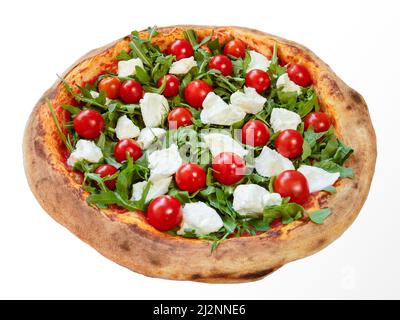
(258, 79)
(179, 117)
(299, 75)
(111, 86)
(221, 63)
(171, 85)
(255, 133)
(164, 213)
(131, 91)
(196, 91)
(190, 177)
(289, 143)
(293, 184)
(181, 49)
(125, 146)
(228, 168)
(235, 48)
(318, 120)
(88, 124)
(107, 170)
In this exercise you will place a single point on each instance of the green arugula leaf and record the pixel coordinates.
(333, 167)
(63, 138)
(123, 55)
(215, 47)
(319, 216)
(142, 76)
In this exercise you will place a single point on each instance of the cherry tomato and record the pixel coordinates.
(255, 133)
(181, 49)
(289, 143)
(190, 177)
(179, 117)
(276, 223)
(293, 184)
(221, 63)
(318, 120)
(127, 146)
(235, 48)
(299, 75)
(111, 86)
(88, 124)
(171, 86)
(164, 213)
(131, 91)
(106, 170)
(196, 91)
(228, 168)
(258, 79)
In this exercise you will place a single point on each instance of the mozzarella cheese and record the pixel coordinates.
(218, 142)
(252, 199)
(182, 66)
(85, 150)
(95, 95)
(287, 85)
(126, 129)
(128, 67)
(249, 101)
(200, 219)
(149, 135)
(271, 163)
(164, 163)
(258, 61)
(282, 119)
(154, 108)
(318, 178)
(158, 188)
(217, 111)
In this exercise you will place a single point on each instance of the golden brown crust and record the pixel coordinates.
(131, 242)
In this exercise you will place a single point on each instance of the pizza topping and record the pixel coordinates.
(270, 163)
(258, 61)
(255, 133)
(289, 143)
(181, 49)
(318, 120)
(317, 178)
(148, 136)
(107, 170)
(154, 108)
(126, 129)
(125, 148)
(228, 168)
(190, 177)
(287, 85)
(128, 67)
(179, 117)
(96, 95)
(195, 93)
(292, 184)
(85, 150)
(131, 91)
(111, 86)
(299, 75)
(258, 79)
(172, 84)
(282, 119)
(88, 124)
(158, 187)
(182, 66)
(200, 219)
(221, 63)
(164, 163)
(235, 48)
(219, 142)
(249, 100)
(164, 213)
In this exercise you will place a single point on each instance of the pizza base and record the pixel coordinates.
(130, 241)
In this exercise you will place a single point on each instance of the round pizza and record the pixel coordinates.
(213, 154)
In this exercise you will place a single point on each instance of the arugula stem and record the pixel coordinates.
(60, 131)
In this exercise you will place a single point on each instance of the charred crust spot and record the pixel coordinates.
(333, 87)
(125, 246)
(195, 276)
(355, 185)
(39, 149)
(320, 243)
(349, 107)
(274, 233)
(322, 201)
(258, 274)
(355, 96)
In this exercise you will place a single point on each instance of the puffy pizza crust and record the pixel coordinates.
(128, 240)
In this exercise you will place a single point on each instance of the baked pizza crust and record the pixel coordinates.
(128, 240)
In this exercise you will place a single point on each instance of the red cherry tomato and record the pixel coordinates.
(181, 49)
(228, 168)
(190, 177)
(221, 63)
(293, 184)
(111, 86)
(171, 86)
(179, 117)
(255, 133)
(276, 223)
(131, 91)
(106, 170)
(235, 48)
(125, 146)
(318, 120)
(88, 124)
(289, 143)
(164, 213)
(299, 75)
(258, 79)
(196, 91)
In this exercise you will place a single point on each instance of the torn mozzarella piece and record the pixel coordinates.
(148, 136)
(317, 178)
(287, 85)
(126, 129)
(182, 66)
(164, 163)
(258, 61)
(282, 119)
(217, 111)
(154, 108)
(271, 163)
(128, 67)
(218, 142)
(158, 188)
(249, 101)
(200, 219)
(85, 150)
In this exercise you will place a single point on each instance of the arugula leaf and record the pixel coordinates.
(161, 67)
(71, 109)
(215, 46)
(123, 55)
(152, 32)
(142, 76)
(139, 50)
(333, 167)
(319, 216)
(124, 181)
(63, 138)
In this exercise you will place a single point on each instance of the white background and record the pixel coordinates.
(41, 259)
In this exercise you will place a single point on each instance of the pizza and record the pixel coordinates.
(213, 154)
